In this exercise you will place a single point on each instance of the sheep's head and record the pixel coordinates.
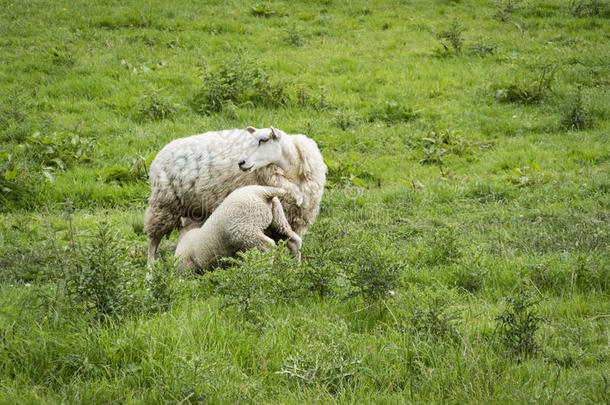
(265, 149)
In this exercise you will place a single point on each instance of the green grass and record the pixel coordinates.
(458, 184)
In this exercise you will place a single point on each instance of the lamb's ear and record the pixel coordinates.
(275, 133)
(251, 130)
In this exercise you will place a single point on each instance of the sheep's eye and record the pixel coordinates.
(260, 141)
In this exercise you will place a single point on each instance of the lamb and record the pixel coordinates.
(191, 176)
(239, 223)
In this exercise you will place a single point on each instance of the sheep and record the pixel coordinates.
(191, 176)
(239, 223)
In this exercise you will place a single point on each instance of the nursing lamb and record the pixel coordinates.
(191, 176)
(238, 224)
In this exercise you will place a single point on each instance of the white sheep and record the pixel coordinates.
(238, 224)
(191, 176)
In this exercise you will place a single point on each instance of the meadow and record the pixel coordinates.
(461, 254)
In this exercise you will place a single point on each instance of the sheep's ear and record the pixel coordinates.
(184, 222)
(251, 130)
(275, 133)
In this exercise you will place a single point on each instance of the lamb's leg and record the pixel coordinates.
(292, 189)
(280, 224)
(259, 241)
(159, 222)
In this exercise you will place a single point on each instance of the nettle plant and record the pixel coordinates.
(525, 176)
(529, 90)
(40, 156)
(373, 276)
(576, 116)
(516, 326)
(589, 8)
(154, 107)
(392, 112)
(505, 9)
(451, 40)
(254, 279)
(59, 150)
(438, 145)
(102, 278)
(349, 172)
(136, 171)
(8, 173)
(238, 82)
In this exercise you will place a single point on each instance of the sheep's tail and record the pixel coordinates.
(270, 192)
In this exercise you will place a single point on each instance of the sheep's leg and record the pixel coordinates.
(280, 224)
(159, 222)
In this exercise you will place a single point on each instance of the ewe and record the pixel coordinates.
(239, 223)
(191, 176)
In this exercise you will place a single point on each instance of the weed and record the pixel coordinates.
(373, 277)
(483, 48)
(160, 293)
(255, 279)
(137, 170)
(318, 102)
(59, 150)
(443, 247)
(325, 365)
(153, 107)
(19, 182)
(576, 116)
(262, 10)
(345, 120)
(391, 112)
(61, 56)
(8, 174)
(142, 69)
(348, 172)
(434, 147)
(438, 321)
(321, 279)
(505, 9)
(453, 36)
(516, 326)
(294, 37)
(239, 82)
(97, 274)
(588, 8)
(527, 176)
(532, 91)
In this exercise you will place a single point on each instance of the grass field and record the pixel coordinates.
(461, 254)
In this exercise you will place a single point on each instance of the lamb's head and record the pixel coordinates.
(265, 149)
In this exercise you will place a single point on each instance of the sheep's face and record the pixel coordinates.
(265, 149)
